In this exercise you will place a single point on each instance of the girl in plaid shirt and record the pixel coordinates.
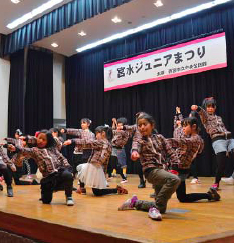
(152, 150)
(4, 170)
(222, 141)
(55, 169)
(80, 155)
(187, 149)
(92, 173)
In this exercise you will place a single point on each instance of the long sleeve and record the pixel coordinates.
(74, 132)
(203, 115)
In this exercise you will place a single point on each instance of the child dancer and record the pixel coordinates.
(136, 135)
(118, 142)
(179, 133)
(80, 155)
(92, 174)
(54, 167)
(4, 170)
(187, 149)
(178, 130)
(221, 138)
(152, 150)
(193, 168)
(57, 137)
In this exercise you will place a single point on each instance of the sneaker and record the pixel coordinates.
(155, 214)
(153, 195)
(215, 186)
(195, 181)
(70, 201)
(81, 191)
(124, 181)
(214, 196)
(9, 191)
(228, 180)
(129, 204)
(121, 190)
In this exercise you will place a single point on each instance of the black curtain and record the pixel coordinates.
(16, 93)
(85, 95)
(39, 91)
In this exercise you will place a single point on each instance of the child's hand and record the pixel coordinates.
(135, 155)
(194, 107)
(177, 110)
(178, 123)
(68, 142)
(62, 130)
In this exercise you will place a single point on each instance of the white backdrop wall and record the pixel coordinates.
(4, 88)
(59, 87)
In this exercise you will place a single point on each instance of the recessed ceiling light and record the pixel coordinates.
(153, 24)
(54, 45)
(15, 1)
(158, 3)
(116, 20)
(33, 13)
(82, 33)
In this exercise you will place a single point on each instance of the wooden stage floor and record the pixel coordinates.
(96, 219)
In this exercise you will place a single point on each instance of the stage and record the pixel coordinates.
(96, 219)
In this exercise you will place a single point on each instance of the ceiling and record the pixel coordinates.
(133, 14)
(10, 11)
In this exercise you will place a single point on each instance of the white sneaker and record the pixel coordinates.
(155, 214)
(124, 181)
(195, 181)
(70, 201)
(228, 180)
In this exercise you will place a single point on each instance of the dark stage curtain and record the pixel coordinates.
(39, 91)
(84, 82)
(61, 18)
(16, 93)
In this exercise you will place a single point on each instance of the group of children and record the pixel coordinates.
(165, 162)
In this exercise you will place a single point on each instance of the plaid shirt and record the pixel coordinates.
(82, 134)
(59, 143)
(4, 159)
(49, 160)
(14, 141)
(101, 150)
(120, 138)
(213, 124)
(178, 130)
(153, 151)
(187, 149)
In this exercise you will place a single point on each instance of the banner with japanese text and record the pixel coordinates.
(187, 58)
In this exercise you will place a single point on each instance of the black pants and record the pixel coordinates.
(101, 192)
(139, 170)
(62, 180)
(221, 164)
(76, 160)
(112, 165)
(193, 169)
(6, 172)
(192, 197)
